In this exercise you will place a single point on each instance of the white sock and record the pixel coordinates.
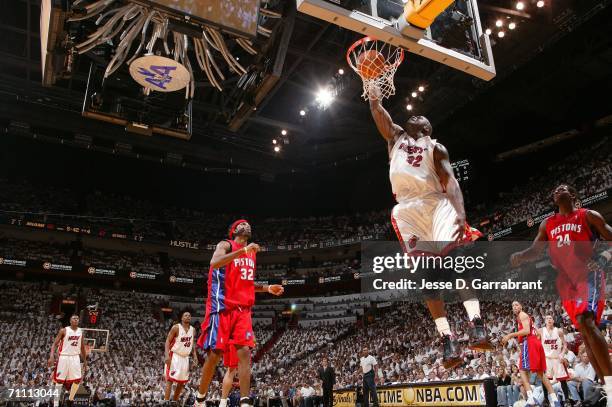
(443, 326)
(223, 403)
(472, 307)
(552, 397)
(58, 387)
(200, 395)
(608, 380)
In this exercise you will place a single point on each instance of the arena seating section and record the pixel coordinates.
(132, 367)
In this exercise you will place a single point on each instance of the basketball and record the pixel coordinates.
(370, 64)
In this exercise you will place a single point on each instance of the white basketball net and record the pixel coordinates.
(379, 83)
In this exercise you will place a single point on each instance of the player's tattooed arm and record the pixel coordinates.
(223, 254)
(384, 122)
(444, 170)
(533, 252)
(58, 338)
(171, 335)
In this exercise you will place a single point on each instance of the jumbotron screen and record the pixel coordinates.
(236, 15)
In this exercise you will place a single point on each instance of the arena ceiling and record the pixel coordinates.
(550, 72)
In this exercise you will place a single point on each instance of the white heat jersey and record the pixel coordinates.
(411, 168)
(183, 342)
(551, 342)
(71, 345)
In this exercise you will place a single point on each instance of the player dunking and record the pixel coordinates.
(231, 294)
(429, 217)
(555, 348)
(71, 348)
(532, 357)
(581, 279)
(179, 344)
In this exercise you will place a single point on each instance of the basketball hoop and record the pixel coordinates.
(375, 62)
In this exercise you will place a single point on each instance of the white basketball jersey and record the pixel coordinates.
(183, 342)
(411, 168)
(71, 345)
(551, 342)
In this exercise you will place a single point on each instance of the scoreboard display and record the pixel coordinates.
(93, 317)
(462, 170)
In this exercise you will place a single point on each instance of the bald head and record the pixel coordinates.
(418, 126)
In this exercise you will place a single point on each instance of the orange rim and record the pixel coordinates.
(369, 39)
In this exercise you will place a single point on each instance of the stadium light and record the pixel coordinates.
(408, 107)
(488, 31)
(501, 34)
(540, 4)
(499, 23)
(341, 71)
(302, 112)
(324, 97)
(276, 149)
(274, 141)
(414, 94)
(512, 26)
(284, 132)
(520, 5)
(421, 88)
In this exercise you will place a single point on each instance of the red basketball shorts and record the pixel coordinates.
(228, 327)
(532, 357)
(586, 296)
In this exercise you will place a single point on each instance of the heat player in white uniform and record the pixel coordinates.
(179, 345)
(555, 349)
(429, 217)
(71, 348)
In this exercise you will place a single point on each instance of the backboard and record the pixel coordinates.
(455, 38)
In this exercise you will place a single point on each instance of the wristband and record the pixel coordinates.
(245, 250)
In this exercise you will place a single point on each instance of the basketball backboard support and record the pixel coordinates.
(455, 38)
(96, 339)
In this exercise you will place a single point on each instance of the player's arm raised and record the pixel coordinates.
(171, 335)
(58, 338)
(534, 251)
(223, 256)
(444, 170)
(383, 120)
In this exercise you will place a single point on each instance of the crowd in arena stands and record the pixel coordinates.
(33, 250)
(131, 370)
(589, 169)
(151, 264)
